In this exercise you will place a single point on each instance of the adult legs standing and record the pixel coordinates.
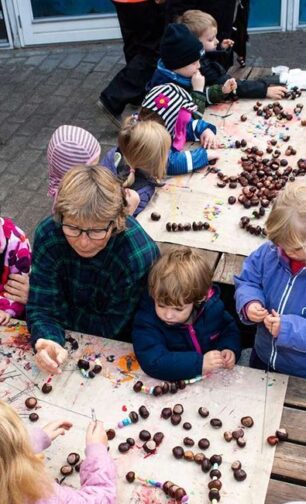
(142, 26)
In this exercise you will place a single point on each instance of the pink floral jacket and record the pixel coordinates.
(15, 257)
(97, 475)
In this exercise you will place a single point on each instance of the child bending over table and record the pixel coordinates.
(270, 290)
(24, 477)
(181, 329)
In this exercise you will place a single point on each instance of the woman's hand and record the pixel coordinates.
(17, 288)
(4, 317)
(96, 433)
(57, 428)
(50, 355)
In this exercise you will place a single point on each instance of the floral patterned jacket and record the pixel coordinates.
(15, 257)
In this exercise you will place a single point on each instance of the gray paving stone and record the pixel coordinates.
(52, 62)
(71, 60)
(36, 60)
(11, 149)
(24, 162)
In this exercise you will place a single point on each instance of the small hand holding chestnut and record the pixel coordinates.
(273, 323)
(228, 358)
(229, 86)
(227, 43)
(50, 355)
(4, 317)
(208, 139)
(57, 428)
(256, 312)
(17, 288)
(198, 81)
(276, 92)
(212, 360)
(96, 433)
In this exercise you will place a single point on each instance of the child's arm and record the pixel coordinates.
(230, 337)
(248, 285)
(289, 330)
(145, 194)
(182, 162)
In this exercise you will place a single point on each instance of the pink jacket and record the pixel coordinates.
(97, 475)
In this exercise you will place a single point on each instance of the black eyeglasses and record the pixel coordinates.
(93, 233)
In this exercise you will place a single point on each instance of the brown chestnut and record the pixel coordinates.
(236, 465)
(272, 440)
(216, 423)
(138, 386)
(73, 458)
(130, 476)
(166, 413)
(204, 444)
(240, 475)
(157, 391)
(144, 435)
(232, 200)
(30, 402)
(175, 419)
(110, 433)
(206, 465)
(241, 442)
(215, 484)
(203, 412)
(33, 417)
(97, 369)
(158, 438)
(143, 412)
(123, 447)
(178, 409)
(238, 433)
(189, 455)
(178, 452)
(46, 388)
(134, 416)
(149, 446)
(248, 421)
(187, 426)
(155, 216)
(216, 459)
(66, 470)
(228, 436)
(199, 457)
(188, 441)
(83, 364)
(282, 434)
(243, 118)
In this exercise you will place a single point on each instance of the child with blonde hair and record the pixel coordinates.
(270, 290)
(24, 477)
(181, 329)
(140, 160)
(72, 146)
(205, 28)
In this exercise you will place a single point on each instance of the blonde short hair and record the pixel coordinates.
(23, 474)
(179, 277)
(197, 21)
(91, 194)
(286, 224)
(145, 145)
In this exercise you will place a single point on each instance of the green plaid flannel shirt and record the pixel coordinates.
(95, 295)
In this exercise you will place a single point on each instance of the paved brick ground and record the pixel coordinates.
(42, 88)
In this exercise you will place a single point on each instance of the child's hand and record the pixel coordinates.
(17, 288)
(50, 355)
(273, 322)
(276, 92)
(229, 86)
(227, 43)
(208, 139)
(256, 312)
(96, 433)
(211, 155)
(57, 428)
(4, 317)
(212, 360)
(198, 81)
(228, 358)
(133, 200)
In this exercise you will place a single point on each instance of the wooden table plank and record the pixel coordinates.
(210, 255)
(258, 72)
(294, 421)
(228, 266)
(296, 393)
(290, 462)
(240, 73)
(280, 492)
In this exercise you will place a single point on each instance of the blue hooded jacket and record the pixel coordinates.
(167, 352)
(266, 277)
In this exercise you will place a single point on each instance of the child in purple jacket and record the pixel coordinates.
(270, 290)
(24, 477)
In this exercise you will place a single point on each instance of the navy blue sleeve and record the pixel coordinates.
(230, 336)
(145, 194)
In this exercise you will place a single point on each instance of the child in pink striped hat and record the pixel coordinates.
(69, 146)
(72, 146)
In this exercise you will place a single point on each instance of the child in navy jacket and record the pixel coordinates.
(270, 290)
(181, 329)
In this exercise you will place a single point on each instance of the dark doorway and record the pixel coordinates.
(3, 32)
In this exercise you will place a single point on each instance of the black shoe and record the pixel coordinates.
(116, 119)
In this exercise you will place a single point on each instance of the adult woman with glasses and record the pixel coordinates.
(90, 264)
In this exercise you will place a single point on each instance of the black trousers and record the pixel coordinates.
(142, 25)
(222, 10)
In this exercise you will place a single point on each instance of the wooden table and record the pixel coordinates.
(288, 478)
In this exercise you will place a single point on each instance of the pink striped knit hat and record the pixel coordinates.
(69, 146)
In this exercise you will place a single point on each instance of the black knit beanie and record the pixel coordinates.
(179, 47)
